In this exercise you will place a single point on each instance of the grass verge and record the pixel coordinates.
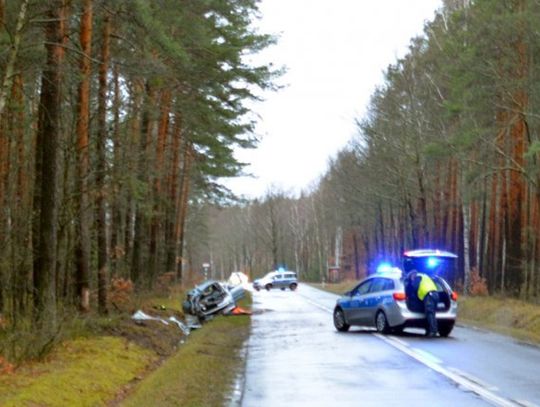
(102, 360)
(202, 372)
(336, 288)
(515, 318)
(80, 372)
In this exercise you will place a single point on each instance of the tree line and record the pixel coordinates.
(447, 156)
(115, 116)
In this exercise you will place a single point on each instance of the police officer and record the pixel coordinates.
(426, 292)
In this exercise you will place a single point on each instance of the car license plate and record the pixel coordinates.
(441, 305)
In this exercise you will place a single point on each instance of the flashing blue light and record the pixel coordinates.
(433, 262)
(384, 268)
(281, 270)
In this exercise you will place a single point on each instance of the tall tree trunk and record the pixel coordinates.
(174, 197)
(20, 227)
(83, 160)
(517, 190)
(182, 213)
(141, 220)
(46, 205)
(436, 238)
(422, 207)
(163, 129)
(482, 251)
(117, 249)
(473, 235)
(103, 255)
(7, 81)
(356, 257)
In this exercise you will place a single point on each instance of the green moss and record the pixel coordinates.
(82, 372)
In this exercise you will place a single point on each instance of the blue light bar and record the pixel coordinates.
(433, 262)
(384, 268)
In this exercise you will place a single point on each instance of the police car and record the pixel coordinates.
(380, 301)
(277, 279)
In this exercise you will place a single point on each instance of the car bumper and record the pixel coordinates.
(399, 315)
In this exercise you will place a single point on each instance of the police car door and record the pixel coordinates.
(358, 303)
(372, 300)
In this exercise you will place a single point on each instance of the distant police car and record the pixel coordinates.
(277, 279)
(380, 301)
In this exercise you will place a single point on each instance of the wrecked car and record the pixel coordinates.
(210, 298)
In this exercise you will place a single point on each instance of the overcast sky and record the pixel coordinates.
(335, 53)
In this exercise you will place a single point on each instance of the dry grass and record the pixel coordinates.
(508, 316)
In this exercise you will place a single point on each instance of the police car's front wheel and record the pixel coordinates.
(339, 321)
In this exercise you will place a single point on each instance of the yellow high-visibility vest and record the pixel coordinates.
(426, 285)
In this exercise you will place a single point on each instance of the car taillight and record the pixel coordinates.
(453, 296)
(399, 296)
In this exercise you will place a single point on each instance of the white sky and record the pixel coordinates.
(335, 53)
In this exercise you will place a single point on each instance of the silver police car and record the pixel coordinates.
(380, 300)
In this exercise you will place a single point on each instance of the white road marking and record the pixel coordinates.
(481, 391)
(526, 403)
(426, 355)
(433, 363)
(473, 379)
(400, 341)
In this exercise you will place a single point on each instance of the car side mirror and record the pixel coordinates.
(348, 293)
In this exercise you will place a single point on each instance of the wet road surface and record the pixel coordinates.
(297, 358)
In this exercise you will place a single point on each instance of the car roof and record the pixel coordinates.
(429, 253)
(204, 285)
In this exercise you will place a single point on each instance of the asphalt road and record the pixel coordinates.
(295, 357)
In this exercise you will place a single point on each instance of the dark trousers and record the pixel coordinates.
(430, 305)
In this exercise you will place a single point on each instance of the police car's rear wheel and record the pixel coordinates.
(445, 328)
(381, 323)
(339, 321)
(293, 286)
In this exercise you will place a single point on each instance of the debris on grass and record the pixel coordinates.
(238, 311)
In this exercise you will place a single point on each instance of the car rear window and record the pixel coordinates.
(388, 284)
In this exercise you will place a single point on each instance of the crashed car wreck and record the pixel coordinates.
(210, 298)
